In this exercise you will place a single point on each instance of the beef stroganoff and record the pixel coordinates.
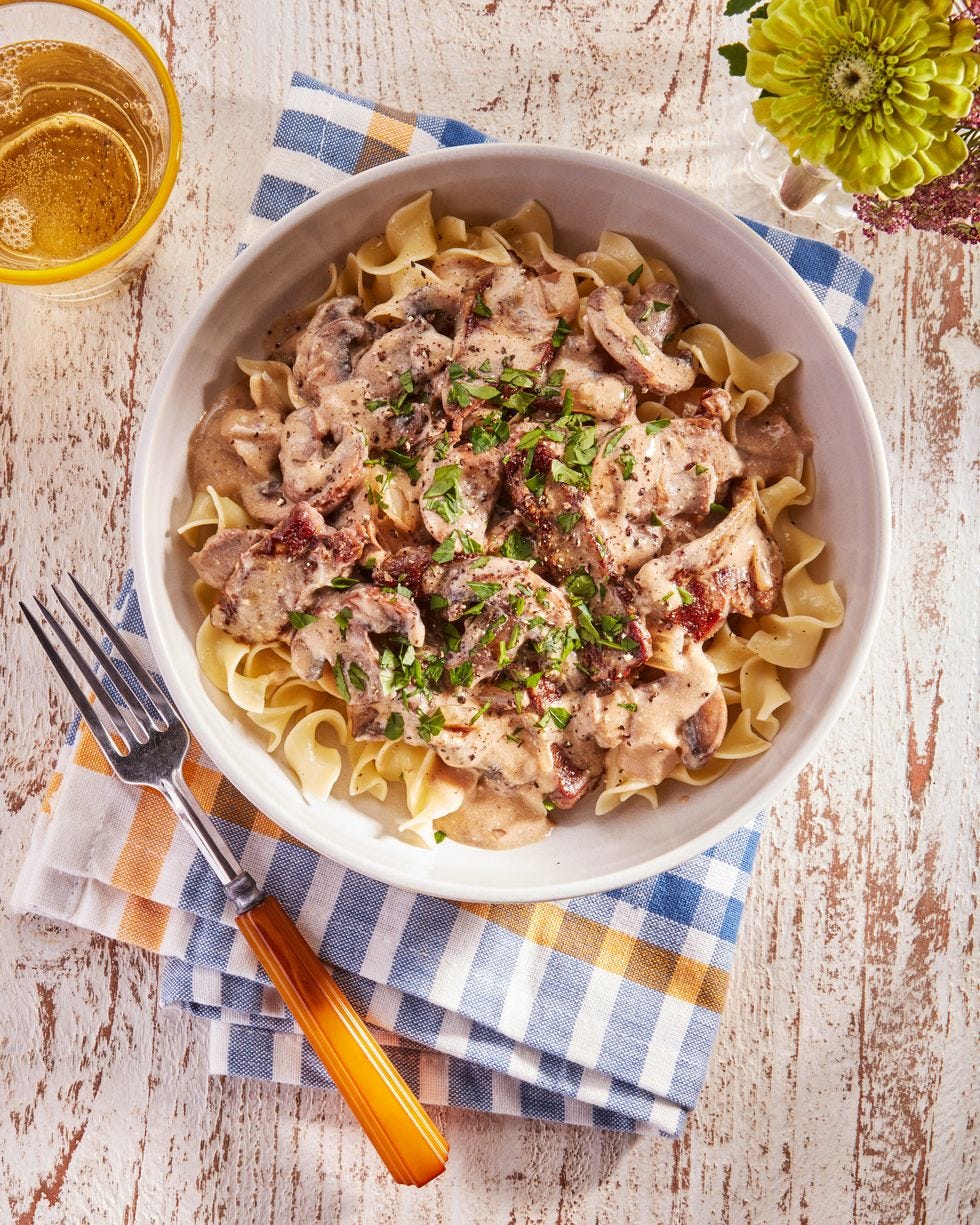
(507, 526)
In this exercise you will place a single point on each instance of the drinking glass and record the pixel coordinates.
(90, 137)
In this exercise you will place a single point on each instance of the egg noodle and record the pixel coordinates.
(307, 722)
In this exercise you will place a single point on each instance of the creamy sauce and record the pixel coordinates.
(211, 459)
(495, 822)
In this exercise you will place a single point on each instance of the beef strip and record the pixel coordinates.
(280, 573)
(215, 562)
(735, 567)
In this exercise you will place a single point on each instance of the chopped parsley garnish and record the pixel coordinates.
(686, 597)
(654, 427)
(535, 483)
(342, 583)
(483, 591)
(480, 308)
(655, 520)
(516, 734)
(517, 546)
(443, 495)
(455, 542)
(568, 476)
(298, 619)
(395, 727)
(627, 705)
(467, 544)
(495, 626)
(480, 713)
(567, 520)
(661, 306)
(357, 677)
(613, 439)
(437, 601)
(430, 725)
(462, 675)
(405, 378)
(439, 835)
(338, 674)
(638, 343)
(513, 376)
(627, 462)
(343, 619)
(491, 431)
(547, 804)
(718, 508)
(560, 334)
(635, 275)
(580, 445)
(558, 715)
(581, 585)
(700, 469)
(441, 449)
(400, 457)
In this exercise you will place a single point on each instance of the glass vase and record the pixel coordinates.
(800, 189)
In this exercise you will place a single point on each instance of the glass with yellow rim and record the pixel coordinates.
(91, 25)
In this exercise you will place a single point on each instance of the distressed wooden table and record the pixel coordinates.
(840, 1089)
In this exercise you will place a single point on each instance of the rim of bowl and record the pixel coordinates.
(119, 247)
(155, 605)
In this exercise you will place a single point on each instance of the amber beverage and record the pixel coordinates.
(88, 148)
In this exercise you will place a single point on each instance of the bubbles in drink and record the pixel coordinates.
(9, 95)
(81, 152)
(16, 225)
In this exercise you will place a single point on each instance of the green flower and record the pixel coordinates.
(870, 90)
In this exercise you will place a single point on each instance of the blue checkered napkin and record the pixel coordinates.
(600, 1011)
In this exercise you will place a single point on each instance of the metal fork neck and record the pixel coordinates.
(240, 889)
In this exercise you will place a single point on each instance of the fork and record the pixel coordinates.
(154, 744)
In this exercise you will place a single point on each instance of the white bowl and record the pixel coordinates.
(734, 279)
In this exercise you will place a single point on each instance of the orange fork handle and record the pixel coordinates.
(396, 1124)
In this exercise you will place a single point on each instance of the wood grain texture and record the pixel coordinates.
(842, 1087)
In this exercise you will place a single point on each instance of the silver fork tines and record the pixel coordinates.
(152, 733)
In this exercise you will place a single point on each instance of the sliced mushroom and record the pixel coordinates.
(644, 364)
(595, 390)
(652, 727)
(661, 312)
(416, 349)
(312, 473)
(509, 321)
(265, 501)
(704, 731)
(327, 350)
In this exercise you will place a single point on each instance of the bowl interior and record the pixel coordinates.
(733, 279)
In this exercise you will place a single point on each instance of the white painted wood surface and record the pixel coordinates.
(840, 1089)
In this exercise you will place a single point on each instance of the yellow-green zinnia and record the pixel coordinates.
(871, 91)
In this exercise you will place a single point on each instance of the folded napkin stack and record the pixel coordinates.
(599, 1011)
